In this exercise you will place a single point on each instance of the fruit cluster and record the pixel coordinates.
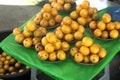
(8, 65)
(86, 52)
(69, 30)
(30, 35)
(64, 5)
(53, 49)
(84, 13)
(48, 17)
(105, 29)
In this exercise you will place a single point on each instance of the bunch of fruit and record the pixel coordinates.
(64, 5)
(53, 49)
(48, 17)
(105, 29)
(86, 52)
(69, 30)
(9, 66)
(30, 35)
(84, 13)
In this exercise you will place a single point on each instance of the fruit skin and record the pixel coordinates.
(19, 38)
(49, 48)
(78, 57)
(16, 31)
(87, 41)
(51, 37)
(43, 55)
(69, 37)
(27, 42)
(52, 56)
(61, 55)
(94, 49)
(73, 51)
(31, 25)
(114, 34)
(102, 53)
(65, 46)
(84, 50)
(94, 58)
(106, 18)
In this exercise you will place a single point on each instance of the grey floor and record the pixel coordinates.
(15, 16)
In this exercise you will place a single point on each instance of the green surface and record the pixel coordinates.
(68, 69)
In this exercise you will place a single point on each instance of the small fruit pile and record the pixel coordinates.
(9, 66)
(105, 29)
(53, 49)
(30, 35)
(86, 52)
(69, 30)
(84, 14)
(64, 5)
(48, 17)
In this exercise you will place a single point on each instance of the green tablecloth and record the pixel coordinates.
(68, 69)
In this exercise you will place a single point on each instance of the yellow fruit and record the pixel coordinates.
(61, 55)
(81, 28)
(16, 31)
(67, 6)
(74, 25)
(81, 20)
(59, 34)
(19, 38)
(65, 46)
(49, 47)
(78, 44)
(94, 58)
(105, 35)
(101, 25)
(78, 35)
(87, 41)
(93, 25)
(27, 42)
(66, 29)
(74, 14)
(110, 26)
(114, 34)
(84, 50)
(86, 59)
(43, 55)
(102, 53)
(97, 32)
(84, 13)
(78, 8)
(85, 4)
(31, 26)
(73, 51)
(27, 33)
(69, 37)
(44, 41)
(78, 57)
(106, 18)
(94, 49)
(51, 37)
(117, 25)
(58, 45)
(53, 56)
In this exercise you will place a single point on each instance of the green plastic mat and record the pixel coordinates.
(65, 70)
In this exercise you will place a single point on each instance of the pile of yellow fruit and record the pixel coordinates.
(53, 48)
(48, 17)
(86, 52)
(69, 30)
(30, 35)
(84, 14)
(105, 29)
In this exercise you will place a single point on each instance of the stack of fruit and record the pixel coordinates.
(105, 29)
(84, 13)
(69, 30)
(9, 66)
(53, 48)
(48, 17)
(31, 35)
(64, 5)
(86, 52)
